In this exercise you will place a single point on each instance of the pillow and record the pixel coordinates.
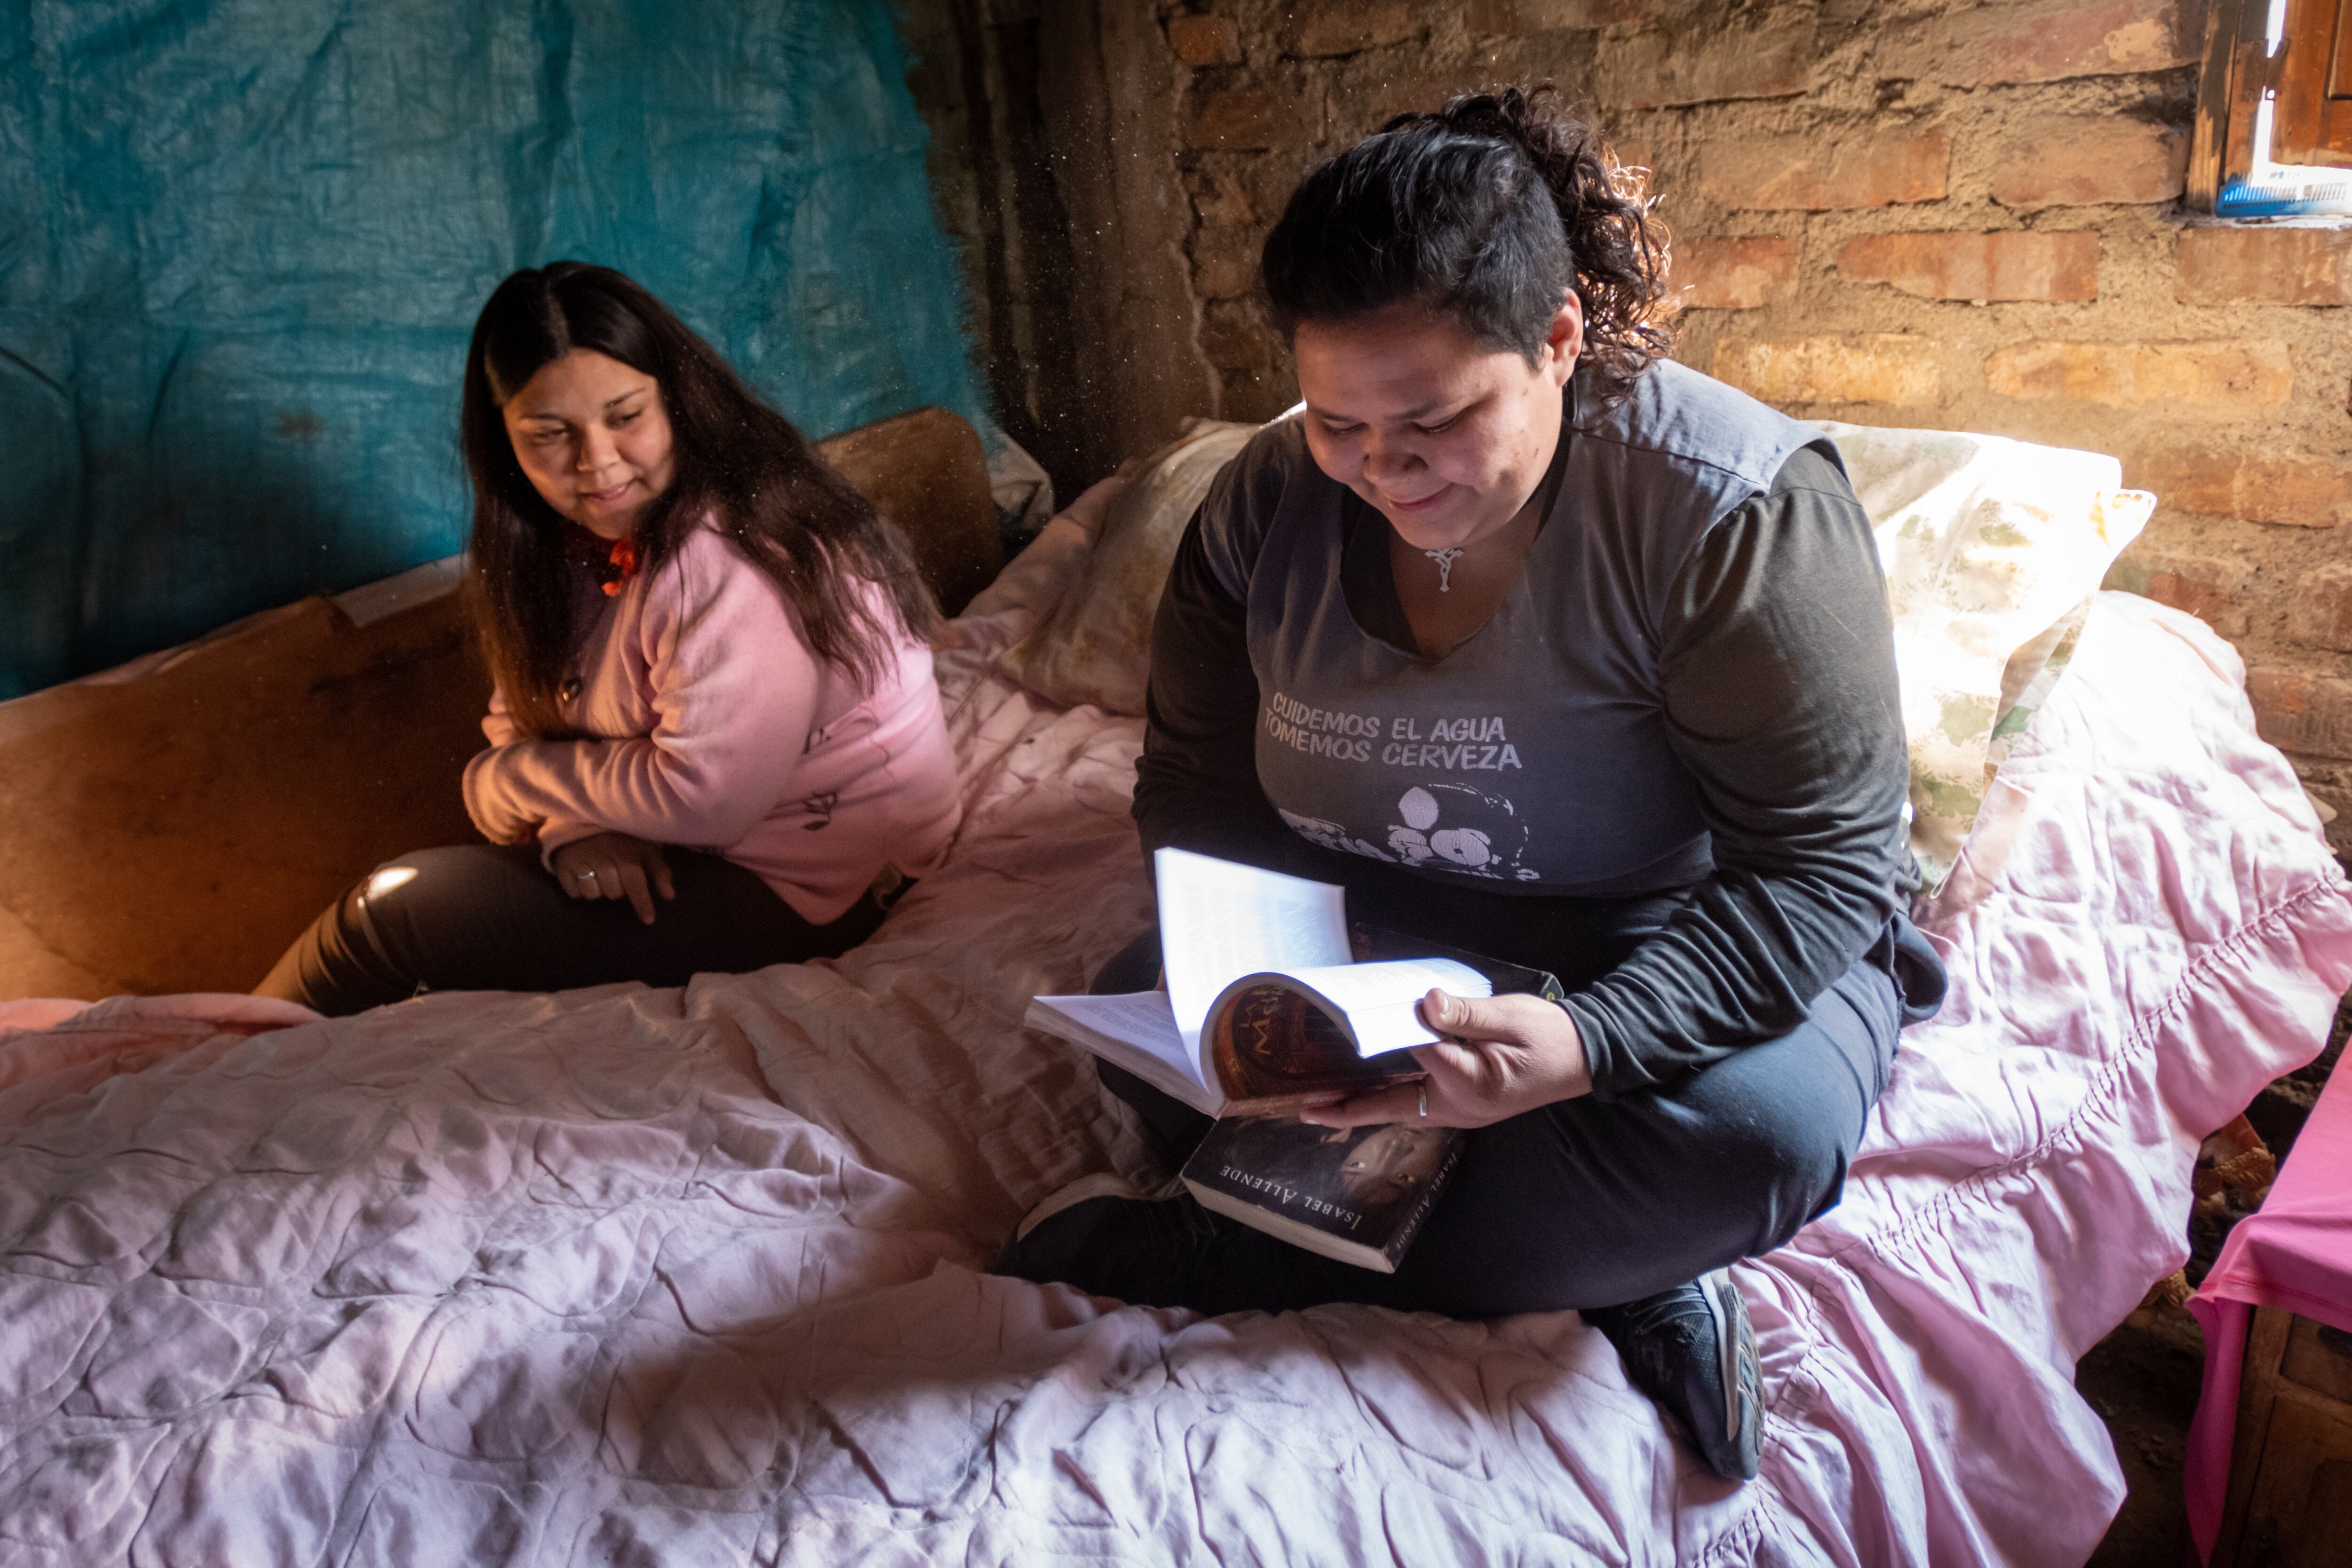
(1992, 549)
(1096, 646)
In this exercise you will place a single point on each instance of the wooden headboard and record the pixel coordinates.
(172, 825)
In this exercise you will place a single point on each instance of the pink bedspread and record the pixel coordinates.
(694, 1276)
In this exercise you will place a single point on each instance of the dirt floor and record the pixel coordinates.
(2143, 1379)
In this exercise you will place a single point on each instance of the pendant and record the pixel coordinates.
(1445, 560)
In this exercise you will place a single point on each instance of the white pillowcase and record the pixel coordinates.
(1096, 646)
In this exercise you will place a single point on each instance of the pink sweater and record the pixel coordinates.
(720, 730)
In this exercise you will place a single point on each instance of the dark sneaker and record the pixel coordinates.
(1691, 1349)
(1106, 1238)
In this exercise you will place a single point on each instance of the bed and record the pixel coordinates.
(624, 1276)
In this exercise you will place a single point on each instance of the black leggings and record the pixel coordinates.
(1589, 1202)
(477, 917)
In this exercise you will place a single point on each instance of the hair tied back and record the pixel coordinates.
(1488, 208)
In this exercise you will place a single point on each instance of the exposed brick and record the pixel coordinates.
(1660, 69)
(1371, 97)
(1516, 18)
(1732, 274)
(1204, 40)
(1269, 182)
(1634, 153)
(2241, 376)
(2320, 614)
(2306, 713)
(2258, 486)
(1798, 174)
(1886, 367)
(1243, 119)
(2266, 267)
(1363, 108)
(2089, 160)
(1987, 267)
(2209, 587)
(1986, 45)
(1219, 199)
(1253, 397)
(1235, 339)
(1224, 262)
(1323, 28)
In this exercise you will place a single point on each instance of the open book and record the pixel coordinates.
(1268, 1000)
(1264, 1001)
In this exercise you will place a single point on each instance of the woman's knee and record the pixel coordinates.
(454, 866)
(471, 876)
(384, 936)
(1794, 1161)
(1782, 1121)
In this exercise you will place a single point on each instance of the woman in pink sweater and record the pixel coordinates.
(715, 738)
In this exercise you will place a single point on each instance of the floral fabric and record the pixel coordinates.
(1992, 549)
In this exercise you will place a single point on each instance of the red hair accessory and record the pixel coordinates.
(624, 557)
(611, 562)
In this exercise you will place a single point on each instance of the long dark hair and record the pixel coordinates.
(739, 463)
(1489, 210)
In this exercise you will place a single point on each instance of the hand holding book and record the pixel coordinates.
(1272, 1002)
(1500, 1056)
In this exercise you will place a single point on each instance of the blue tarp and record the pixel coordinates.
(242, 243)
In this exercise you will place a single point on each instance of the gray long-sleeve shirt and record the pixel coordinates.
(1766, 673)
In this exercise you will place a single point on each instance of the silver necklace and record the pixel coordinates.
(1445, 560)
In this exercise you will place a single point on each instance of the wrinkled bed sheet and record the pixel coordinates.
(633, 1277)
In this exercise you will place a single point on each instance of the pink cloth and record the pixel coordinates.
(720, 729)
(2295, 1255)
(45, 1035)
(699, 1275)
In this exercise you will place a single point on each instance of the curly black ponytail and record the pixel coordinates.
(1489, 210)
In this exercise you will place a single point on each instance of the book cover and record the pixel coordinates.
(1358, 1194)
(1273, 1040)
(1271, 1045)
(1374, 944)
(1270, 996)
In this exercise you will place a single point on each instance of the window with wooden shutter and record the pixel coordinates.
(2273, 132)
(2314, 90)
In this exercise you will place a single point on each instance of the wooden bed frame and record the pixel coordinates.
(171, 825)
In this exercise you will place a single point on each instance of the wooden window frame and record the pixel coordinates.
(2301, 91)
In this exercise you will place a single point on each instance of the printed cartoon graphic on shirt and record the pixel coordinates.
(1461, 827)
(1330, 835)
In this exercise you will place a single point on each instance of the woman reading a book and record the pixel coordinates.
(715, 738)
(1552, 649)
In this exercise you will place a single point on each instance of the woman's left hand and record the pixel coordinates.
(615, 866)
(1506, 1055)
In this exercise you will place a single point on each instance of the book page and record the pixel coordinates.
(1380, 999)
(1142, 1024)
(1220, 920)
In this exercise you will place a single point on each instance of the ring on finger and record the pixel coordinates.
(587, 876)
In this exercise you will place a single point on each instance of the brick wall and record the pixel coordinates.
(1893, 214)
